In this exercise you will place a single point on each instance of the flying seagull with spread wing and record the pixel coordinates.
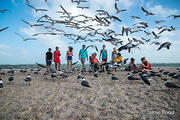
(36, 9)
(25, 39)
(165, 45)
(147, 12)
(117, 9)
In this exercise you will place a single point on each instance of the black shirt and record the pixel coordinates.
(49, 55)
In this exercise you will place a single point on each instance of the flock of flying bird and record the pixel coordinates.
(91, 28)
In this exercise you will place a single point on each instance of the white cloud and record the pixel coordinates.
(164, 12)
(2, 46)
(126, 3)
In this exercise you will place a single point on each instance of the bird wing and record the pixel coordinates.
(42, 9)
(154, 33)
(144, 10)
(19, 35)
(3, 29)
(116, 8)
(25, 22)
(161, 46)
(43, 66)
(75, 63)
(30, 6)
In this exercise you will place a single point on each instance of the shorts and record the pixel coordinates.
(48, 62)
(83, 60)
(104, 60)
(69, 57)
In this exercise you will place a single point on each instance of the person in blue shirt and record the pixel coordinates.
(103, 55)
(83, 55)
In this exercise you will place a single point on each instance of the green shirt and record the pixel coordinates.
(83, 53)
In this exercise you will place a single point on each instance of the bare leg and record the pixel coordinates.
(59, 65)
(56, 66)
(71, 63)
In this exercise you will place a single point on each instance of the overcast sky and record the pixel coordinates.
(13, 50)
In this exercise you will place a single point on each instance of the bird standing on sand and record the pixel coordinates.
(84, 83)
(1, 83)
(80, 76)
(129, 77)
(146, 79)
(170, 84)
(54, 76)
(11, 78)
(95, 74)
(114, 77)
(28, 79)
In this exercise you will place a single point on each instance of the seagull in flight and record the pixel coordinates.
(117, 9)
(135, 17)
(155, 35)
(2, 11)
(36, 9)
(25, 39)
(31, 25)
(175, 16)
(165, 45)
(93, 46)
(147, 12)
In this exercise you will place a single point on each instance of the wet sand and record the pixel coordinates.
(66, 99)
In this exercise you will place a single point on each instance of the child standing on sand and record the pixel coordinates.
(83, 55)
(103, 54)
(57, 55)
(69, 55)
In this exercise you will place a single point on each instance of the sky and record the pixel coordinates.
(13, 50)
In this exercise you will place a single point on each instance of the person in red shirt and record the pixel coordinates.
(95, 61)
(146, 66)
(57, 55)
(69, 55)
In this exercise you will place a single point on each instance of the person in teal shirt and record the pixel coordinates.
(83, 55)
(103, 54)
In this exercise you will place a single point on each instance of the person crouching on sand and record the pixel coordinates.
(146, 66)
(69, 55)
(95, 61)
(57, 55)
(132, 65)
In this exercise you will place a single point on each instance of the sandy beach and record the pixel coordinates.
(66, 99)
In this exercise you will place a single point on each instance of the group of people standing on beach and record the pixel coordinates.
(116, 58)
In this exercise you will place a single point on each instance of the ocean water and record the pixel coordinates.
(27, 66)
